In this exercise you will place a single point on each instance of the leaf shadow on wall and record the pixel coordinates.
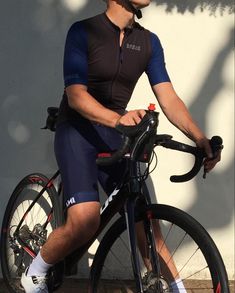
(214, 6)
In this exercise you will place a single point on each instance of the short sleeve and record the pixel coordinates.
(156, 69)
(75, 56)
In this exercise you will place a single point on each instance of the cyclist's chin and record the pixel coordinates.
(139, 4)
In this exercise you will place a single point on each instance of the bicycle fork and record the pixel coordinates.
(130, 208)
(130, 222)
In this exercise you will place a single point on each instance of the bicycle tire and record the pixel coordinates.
(14, 260)
(103, 262)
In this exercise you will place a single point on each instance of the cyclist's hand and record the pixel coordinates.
(131, 118)
(212, 159)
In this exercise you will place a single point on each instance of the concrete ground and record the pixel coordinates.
(80, 286)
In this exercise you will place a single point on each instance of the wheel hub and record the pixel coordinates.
(153, 284)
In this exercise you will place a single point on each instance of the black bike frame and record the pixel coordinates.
(125, 195)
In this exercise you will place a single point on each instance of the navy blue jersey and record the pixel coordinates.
(93, 57)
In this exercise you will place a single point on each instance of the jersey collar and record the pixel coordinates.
(114, 27)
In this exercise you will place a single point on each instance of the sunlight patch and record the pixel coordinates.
(73, 5)
(18, 132)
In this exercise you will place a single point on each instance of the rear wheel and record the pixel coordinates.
(185, 251)
(18, 249)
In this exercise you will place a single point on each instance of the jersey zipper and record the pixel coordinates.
(120, 61)
(121, 54)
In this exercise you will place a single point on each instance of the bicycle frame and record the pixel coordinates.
(126, 198)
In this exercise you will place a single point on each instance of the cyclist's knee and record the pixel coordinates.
(83, 220)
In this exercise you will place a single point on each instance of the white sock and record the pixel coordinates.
(38, 267)
(178, 286)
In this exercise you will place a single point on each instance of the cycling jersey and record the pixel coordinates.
(93, 57)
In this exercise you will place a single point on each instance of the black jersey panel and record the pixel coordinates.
(94, 57)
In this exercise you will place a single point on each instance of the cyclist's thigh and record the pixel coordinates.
(110, 176)
(76, 148)
(76, 160)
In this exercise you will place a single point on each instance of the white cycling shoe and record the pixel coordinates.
(34, 284)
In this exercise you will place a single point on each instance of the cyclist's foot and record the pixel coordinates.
(34, 284)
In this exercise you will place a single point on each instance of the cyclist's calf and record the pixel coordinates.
(82, 223)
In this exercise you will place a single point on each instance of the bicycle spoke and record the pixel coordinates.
(195, 273)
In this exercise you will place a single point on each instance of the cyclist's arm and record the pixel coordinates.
(176, 111)
(178, 114)
(82, 102)
(170, 103)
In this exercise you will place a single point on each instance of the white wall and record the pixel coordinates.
(198, 50)
(199, 57)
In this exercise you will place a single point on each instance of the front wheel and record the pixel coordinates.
(19, 248)
(185, 253)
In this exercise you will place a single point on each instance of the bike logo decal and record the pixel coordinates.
(110, 199)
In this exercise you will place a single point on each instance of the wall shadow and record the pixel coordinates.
(31, 54)
(31, 79)
(213, 193)
(214, 6)
(216, 198)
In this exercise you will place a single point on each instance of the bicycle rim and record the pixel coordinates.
(185, 250)
(37, 225)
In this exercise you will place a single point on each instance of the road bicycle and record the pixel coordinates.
(174, 245)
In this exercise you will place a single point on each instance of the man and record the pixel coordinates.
(103, 60)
